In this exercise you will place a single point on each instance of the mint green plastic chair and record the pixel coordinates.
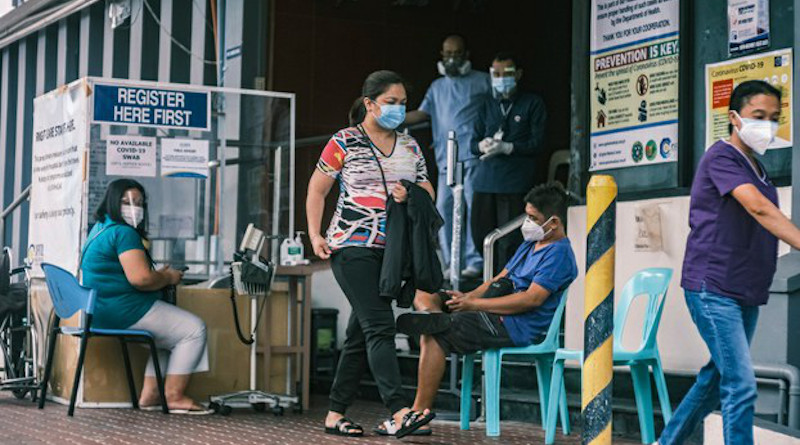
(652, 283)
(543, 353)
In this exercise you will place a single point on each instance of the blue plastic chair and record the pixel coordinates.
(543, 353)
(70, 297)
(652, 283)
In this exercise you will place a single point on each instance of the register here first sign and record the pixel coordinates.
(151, 107)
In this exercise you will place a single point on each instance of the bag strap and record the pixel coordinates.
(375, 156)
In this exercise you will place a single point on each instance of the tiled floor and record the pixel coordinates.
(22, 423)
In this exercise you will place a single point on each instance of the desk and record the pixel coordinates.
(297, 343)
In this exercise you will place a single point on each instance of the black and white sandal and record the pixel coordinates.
(345, 427)
(389, 428)
(413, 421)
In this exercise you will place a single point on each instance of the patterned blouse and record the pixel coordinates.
(360, 216)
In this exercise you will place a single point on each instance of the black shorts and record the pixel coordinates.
(471, 332)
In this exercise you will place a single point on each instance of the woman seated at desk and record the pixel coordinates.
(117, 265)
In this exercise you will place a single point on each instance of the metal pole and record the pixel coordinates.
(796, 123)
(221, 130)
(454, 181)
(597, 375)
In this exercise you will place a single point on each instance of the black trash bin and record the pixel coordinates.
(324, 351)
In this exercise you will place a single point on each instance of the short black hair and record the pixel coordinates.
(550, 199)
(745, 91)
(111, 205)
(375, 84)
(502, 56)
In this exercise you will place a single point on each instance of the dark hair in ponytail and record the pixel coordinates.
(375, 84)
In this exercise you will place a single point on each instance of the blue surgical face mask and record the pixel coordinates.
(392, 116)
(504, 85)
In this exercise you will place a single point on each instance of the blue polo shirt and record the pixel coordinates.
(453, 104)
(554, 268)
(118, 304)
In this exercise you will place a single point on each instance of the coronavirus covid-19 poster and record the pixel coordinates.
(634, 83)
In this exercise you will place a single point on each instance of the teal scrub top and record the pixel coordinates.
(118, 304)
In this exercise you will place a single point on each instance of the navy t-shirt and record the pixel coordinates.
(728, 251)
(553, 267)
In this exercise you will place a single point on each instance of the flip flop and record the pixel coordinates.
(413, 421)
(344, 428)
(423, 323)
(192, 411)
(150, 408)
(389, 428)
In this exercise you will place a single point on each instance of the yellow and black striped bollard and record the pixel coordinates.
(601, 202)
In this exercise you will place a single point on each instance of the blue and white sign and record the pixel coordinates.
(151, 107)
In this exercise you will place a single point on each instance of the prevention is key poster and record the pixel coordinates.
(634, 63)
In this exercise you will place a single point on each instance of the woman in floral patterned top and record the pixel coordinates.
(369, 159)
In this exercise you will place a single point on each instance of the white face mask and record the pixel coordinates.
(133, 215)
(533, 232)
(756, 133)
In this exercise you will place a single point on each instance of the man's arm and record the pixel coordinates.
(514, 303)
(416, 116)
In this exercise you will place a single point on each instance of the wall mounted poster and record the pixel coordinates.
(634, 83)
(721, 78)
(748, 25)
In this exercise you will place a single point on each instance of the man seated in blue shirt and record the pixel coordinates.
(509, 139)
(513, 309)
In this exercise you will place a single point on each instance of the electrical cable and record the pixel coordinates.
(174, 40)
(235, 309)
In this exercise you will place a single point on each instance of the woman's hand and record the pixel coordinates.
(173, 276)
(320, 247)
(400, 193)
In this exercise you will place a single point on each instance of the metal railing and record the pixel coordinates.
(24, 196)
(490, 241)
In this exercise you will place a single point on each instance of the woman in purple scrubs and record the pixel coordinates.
(731, 256)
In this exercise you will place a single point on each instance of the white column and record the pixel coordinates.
(83, 44)
(165, 42)
(19, 148)
(61, 57)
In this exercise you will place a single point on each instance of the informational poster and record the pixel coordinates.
(634, 81)
(131, 156)
(186, 158)
(152, 107)
(59, 150)
(748, 25)
(721, 78)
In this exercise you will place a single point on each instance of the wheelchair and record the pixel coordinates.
(17, 336)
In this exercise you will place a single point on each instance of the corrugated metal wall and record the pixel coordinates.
(164, 40)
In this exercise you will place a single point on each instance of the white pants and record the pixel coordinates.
(180, 338)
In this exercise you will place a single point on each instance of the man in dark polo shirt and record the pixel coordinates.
(510, 134)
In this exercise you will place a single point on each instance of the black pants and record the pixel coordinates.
(370, 331)
(490, 211)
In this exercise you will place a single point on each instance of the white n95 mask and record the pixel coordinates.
(533, 232)
(757, 133)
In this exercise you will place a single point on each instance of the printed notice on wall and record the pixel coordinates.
(186, 158)
(634, 81)
(59, 147)
(748, 25)
(721, 78)
(131, 156)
